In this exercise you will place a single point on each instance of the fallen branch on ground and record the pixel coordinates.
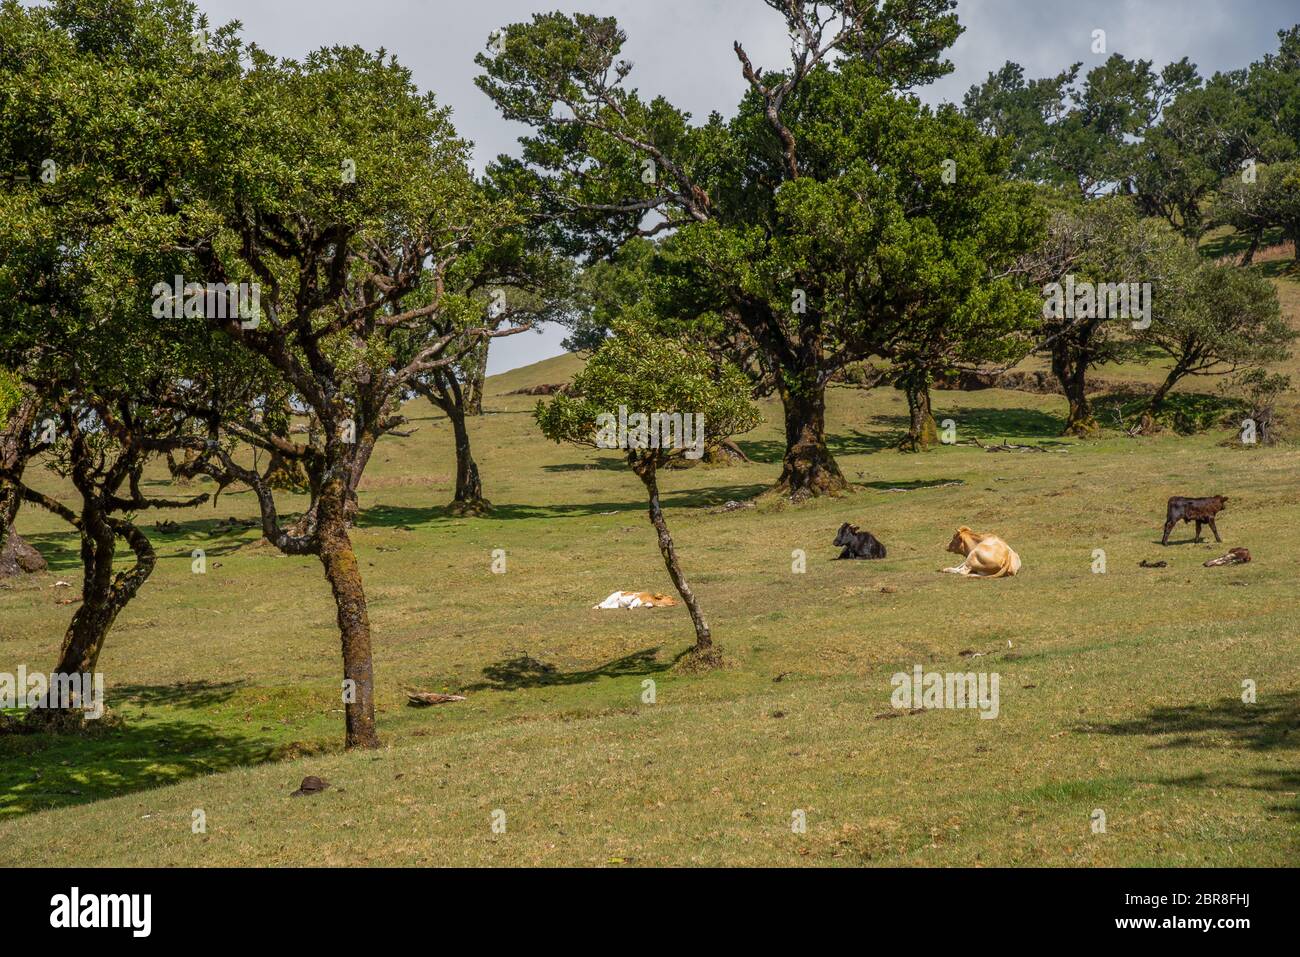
(422, 699)
(1009, 447)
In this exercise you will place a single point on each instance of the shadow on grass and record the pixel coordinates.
(43, 771)
(1186, 413)
(1270, 725)
(862, 443)
(913, 485)
(391, 516)
(1014, 423)
(1207, 537)
(525, 671)
(189, 694)
(606, 463)
(1236, 243)
(765, 451)
(853, 442)
(62, 550)
(1278, 268)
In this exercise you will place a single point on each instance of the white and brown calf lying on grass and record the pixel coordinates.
(636, 599)
(987, 556)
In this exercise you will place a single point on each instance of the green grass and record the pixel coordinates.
(1118, 691)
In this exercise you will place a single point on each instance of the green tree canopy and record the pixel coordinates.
(87, 221)
(818, 220)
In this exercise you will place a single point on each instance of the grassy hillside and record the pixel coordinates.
(1119, 691)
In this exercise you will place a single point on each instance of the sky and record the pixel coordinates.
(682, 50)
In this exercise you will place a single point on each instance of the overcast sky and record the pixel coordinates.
(682, 49)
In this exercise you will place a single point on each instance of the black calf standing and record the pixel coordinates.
(1198, 510)
(858, 544)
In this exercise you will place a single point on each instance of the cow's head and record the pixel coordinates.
(961, 542)
(1220, 501)
(845, 534)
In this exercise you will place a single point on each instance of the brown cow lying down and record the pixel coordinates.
(636, 599)
(987, 556)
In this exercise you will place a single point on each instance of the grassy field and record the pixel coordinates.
(1119, 691)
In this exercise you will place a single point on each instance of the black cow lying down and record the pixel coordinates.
(1198, 510)
(858, 544)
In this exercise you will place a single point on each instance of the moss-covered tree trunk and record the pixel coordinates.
(469, 498)
(18, 557)
(1070, 366)
(344, 575)
(475, 365)
(15, 442)
(922, 432)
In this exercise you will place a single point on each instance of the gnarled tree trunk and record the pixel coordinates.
(1249, 256)
(103, 596)
(451, 398)
(809, 469)
(1157, 403)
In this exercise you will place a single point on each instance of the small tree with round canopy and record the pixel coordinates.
(646, 374)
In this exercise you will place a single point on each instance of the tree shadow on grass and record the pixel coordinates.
(43, 771)
(851, 442)
(1236, 243)
(392, 516)
(525, 671)
(606, 463)
(765, 451)
(914, 485)
(1278, 268)
(1271, 724)
(1013, 423)
(1186, 413)
(62, 550)
(187, 694)
(862, 443)
(1284, 782)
